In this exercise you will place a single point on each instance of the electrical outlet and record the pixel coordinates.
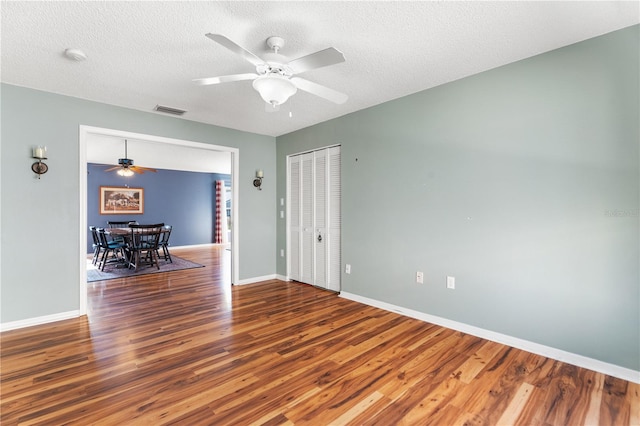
(281, 252)
(451, 282)
(347, 268)
(420, 277)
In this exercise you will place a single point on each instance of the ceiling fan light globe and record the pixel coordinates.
(274, 89)
(125, 172)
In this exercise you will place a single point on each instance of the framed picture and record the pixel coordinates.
(116, 200)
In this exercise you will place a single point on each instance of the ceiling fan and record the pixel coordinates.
(125, 166)
(276, 79)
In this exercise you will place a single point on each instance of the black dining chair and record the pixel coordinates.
(149, 225)
(97, 247)
(143, 246)
(164, 243)
(110, 246)
(118, 224)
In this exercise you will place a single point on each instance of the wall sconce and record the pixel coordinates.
(39, 153)
(257, 182)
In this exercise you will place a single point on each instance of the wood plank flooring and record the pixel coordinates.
(183, 348)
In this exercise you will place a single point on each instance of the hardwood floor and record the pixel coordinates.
(183, 348)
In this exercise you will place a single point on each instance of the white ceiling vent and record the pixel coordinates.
(169, 110)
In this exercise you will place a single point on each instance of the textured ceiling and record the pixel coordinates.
(145, 53)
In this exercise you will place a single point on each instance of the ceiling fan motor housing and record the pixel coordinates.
(125, 162)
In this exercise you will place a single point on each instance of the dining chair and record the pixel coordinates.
(97, 247)
(118, 224)
(143, 246)
(164, 243)
(109, 246)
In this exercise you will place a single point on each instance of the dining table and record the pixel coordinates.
(126, 234)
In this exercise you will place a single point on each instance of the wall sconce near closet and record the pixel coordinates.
(39, 153)
(257, 182)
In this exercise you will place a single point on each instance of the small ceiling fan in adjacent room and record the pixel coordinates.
(125, 166)
(276, 79)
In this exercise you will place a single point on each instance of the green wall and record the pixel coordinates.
(40, 218)
(522, 182)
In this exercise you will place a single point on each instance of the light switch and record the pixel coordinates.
(451, 282)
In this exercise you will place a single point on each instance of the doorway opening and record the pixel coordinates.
(88, 133)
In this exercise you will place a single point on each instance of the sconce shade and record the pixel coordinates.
(274, 88)
(39, 152)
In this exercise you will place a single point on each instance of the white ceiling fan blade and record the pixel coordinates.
(224, 79)
(232, 46)
(319, 59)
(319, 90)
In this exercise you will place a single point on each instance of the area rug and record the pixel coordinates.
(112, 272)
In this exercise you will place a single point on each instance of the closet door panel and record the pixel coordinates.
(321, 218)
(307, 228)
(334, 262)
(295, 234)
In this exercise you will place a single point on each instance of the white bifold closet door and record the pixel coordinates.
(314, 218)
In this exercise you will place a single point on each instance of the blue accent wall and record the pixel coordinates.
(185, 200)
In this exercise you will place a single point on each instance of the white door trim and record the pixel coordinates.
(86, 131)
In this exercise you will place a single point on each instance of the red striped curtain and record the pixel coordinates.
(220, 212)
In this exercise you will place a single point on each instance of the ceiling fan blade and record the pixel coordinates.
(143, 169)
(320, 90)
(224, 79)
(232, 46)
(319, 59)
(110, 169)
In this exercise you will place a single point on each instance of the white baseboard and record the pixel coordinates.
(282, 277)
(256, 279)
(525, 345)
(14, 325)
